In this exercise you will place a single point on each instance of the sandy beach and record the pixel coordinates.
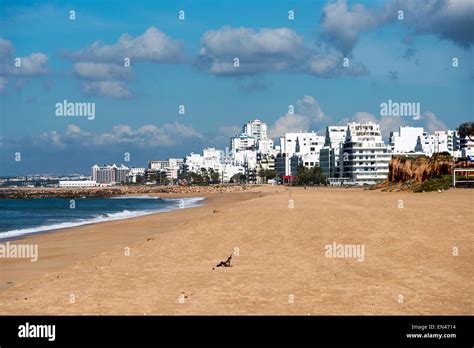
(163, 263)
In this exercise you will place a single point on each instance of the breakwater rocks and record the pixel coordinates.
(53, 192)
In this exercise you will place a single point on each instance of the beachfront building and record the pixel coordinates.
(171, 167)
(365, 157)
(77, 183)
(243, 151)
(109, 174)
(295, 149)
(404, 141)
(440, 141)
(211, 158)
(135, 174)
(329, 154)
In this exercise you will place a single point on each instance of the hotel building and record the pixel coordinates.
(365, 157)
(107, 174)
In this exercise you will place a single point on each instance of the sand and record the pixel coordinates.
(278, 265)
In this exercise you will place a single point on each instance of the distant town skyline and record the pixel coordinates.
(163, 81)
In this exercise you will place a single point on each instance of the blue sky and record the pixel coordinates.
(174, 62)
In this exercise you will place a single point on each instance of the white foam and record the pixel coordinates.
(136, 197)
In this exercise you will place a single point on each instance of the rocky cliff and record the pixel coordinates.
(419, 169)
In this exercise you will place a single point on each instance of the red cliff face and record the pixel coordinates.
(402, 169)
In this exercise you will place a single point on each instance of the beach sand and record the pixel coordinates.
(279, 264)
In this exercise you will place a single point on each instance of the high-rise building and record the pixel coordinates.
(365, 157)
(109, 174)
(256, 129)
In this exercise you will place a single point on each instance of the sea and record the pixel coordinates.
(19, 217)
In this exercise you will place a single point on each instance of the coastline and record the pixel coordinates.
(281, 253)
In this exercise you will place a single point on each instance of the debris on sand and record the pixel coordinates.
(225, 263)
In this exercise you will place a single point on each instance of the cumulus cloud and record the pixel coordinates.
(431, 123)
(268, 50)
(328, 65)
(342, 24)
(34, 64)
(100, 71)
(448, 19)
(101, 67)
(308, 114)
(153, 45)
(168, 135)
(258, 51)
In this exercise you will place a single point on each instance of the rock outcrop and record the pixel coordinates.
(403, 169)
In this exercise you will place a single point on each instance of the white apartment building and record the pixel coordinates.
(404, 141)
(256, 129)
(243, 151)
(440, 141)
(172, 167)
(265, 147)
(365, 157)
(213, 158)
(302, 143)
(134, 173)
(77, 183)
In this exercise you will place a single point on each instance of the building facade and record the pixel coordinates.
(365, 157)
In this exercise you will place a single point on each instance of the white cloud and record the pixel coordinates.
(258, 51)
(32, 65)
(169, 134)
(308, 114)
(114, 89)
(153, 45)
(431, 123)
(342, 24)
(102, 69)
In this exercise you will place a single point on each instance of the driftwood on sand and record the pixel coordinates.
(225, 263)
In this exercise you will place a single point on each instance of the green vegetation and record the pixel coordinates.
(310, 176)
(266, 174)
(466, 130)
(442, 182)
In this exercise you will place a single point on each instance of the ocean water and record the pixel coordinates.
(20, 217)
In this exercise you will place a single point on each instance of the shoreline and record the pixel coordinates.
(280, 251)
(43, 229)
(95, 241)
